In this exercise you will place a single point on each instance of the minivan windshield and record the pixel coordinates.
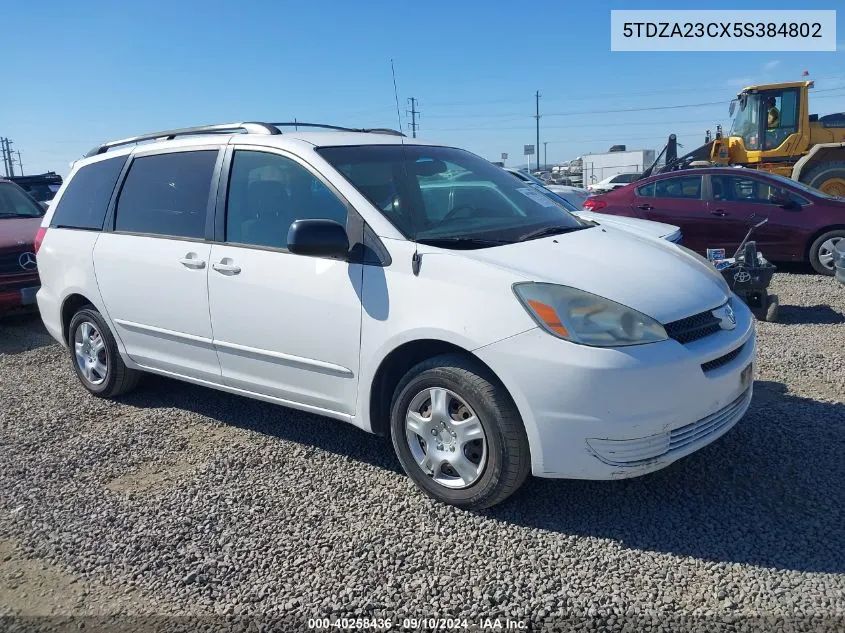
(449, 197)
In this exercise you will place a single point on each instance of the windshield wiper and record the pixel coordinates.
(18, 215)
(550, 230)
(463, 241)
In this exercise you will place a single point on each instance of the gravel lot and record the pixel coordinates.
(180, 500)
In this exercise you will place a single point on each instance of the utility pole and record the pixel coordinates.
(413, 112)
(20, 162)
(8, 163)
(537, 116)
(545, 155)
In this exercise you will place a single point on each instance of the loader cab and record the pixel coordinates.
(768, 120)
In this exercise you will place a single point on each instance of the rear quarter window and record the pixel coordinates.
(86, 198)
(646, 191)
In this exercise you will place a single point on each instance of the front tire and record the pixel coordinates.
(822, 251)
(95, 357)
(458, 434)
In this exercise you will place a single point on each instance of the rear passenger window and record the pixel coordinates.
(167, 194)
(688, 187)
(86, 198)
(268, 193)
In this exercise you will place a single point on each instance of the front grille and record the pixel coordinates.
(693, 328)
(10, 262)
(686, 435)
(722, 360)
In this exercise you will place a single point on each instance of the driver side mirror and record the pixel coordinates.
(318, 238)
(783, 199)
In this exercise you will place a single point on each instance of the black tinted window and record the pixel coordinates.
(268, 193)
(167, 194)
(85, 200)
(688, 187)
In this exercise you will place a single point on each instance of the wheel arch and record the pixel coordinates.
(395, 365)
(820, 153)
(70, 306)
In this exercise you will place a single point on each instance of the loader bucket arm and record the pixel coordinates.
(700, 153)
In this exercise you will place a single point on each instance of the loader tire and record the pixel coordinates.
(827, 177)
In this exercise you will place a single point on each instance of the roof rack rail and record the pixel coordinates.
(376, 130)
(223, 128)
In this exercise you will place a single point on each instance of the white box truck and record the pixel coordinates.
(597, 167)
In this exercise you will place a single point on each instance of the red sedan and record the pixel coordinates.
(20, 218)
(713, 207)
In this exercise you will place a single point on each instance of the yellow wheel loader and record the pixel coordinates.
(773, 130)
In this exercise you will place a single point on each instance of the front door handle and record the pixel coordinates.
(645, 207)
(192, 260)
(720, 212)
(226, 266)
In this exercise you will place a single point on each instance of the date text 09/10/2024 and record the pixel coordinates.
(417, 624)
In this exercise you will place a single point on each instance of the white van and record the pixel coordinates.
(412, 289)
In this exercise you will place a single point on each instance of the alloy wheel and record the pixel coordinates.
(826, 252)
(90, 352)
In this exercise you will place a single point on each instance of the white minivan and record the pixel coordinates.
(412, 289)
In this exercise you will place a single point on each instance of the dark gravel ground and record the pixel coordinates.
(183, 501)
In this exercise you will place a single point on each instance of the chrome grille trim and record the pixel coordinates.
(642, 450)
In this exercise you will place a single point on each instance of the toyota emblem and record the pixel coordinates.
(27, 261)
(742, 277)
(726, 316)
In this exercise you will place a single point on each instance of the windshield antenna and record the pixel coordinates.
(416, 258)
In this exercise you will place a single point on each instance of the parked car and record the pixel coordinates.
(484, 331)
(839, 261)
(40, 187)
(612, 182)
(643, 227)
(20, 218)
(713, 207)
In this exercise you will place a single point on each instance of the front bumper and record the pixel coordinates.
(593, 413)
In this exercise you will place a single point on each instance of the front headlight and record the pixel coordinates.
(585, 318)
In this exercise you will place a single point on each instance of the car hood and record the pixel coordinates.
(643, 227)
(655, 277)
(17, 232)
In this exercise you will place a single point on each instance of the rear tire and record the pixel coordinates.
(827, 177)
(821, 251)
(95, 357)
(449, 410)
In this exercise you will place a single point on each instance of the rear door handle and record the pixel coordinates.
(226, 265)
(191, 260)
(645, 207)
(721, 213)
